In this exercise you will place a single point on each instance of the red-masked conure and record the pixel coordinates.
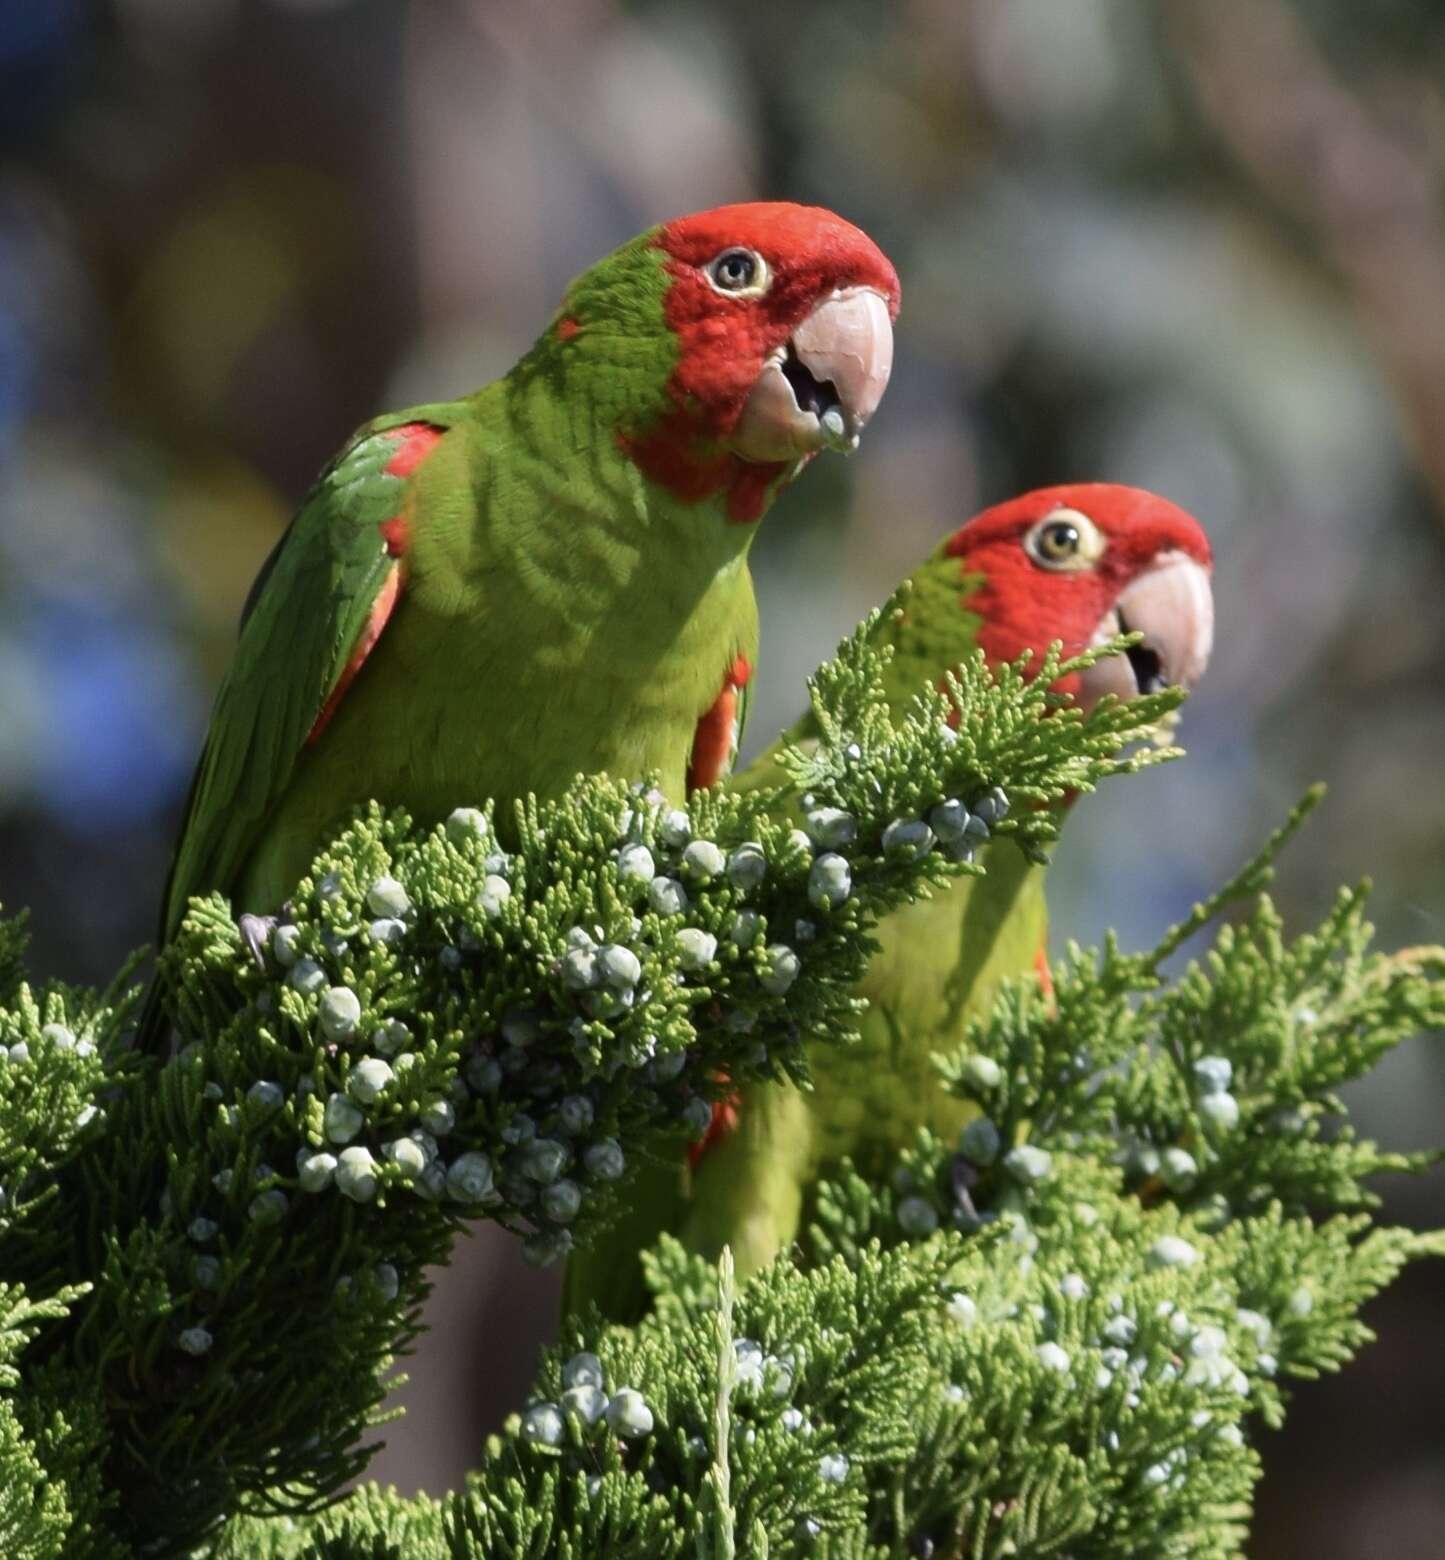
(485, 597)
(1080, 564)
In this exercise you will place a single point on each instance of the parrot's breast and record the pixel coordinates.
(510, 664)
(942, 962)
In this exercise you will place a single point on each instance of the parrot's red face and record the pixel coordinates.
(1086, 561)
(783, 320)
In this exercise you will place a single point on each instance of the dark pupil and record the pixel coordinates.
(1060, 539)
(736, 270)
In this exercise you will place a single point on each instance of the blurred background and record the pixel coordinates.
(1199, 248)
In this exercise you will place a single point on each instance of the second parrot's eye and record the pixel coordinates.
(1064, 539)
(740, 272)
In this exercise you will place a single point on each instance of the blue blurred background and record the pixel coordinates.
(1196, 247)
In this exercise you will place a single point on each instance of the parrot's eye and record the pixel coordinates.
(1064, 539)
(739, 272)
(1058, 540)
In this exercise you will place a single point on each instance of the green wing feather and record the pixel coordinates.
(316, 593)
(311, 603)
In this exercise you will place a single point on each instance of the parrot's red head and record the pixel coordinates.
(775, 329)
(783, 316)
(1081, 563)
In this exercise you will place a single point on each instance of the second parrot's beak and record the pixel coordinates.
(1172, 606)
(823, 384)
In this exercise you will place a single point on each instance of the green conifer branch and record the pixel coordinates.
(210, 1264)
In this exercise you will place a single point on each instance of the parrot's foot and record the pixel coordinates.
(964, 1178)
(256, 933)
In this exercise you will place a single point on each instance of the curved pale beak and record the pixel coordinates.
(823, 384)
(1172, 606)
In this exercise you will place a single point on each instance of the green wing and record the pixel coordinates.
(311, 604)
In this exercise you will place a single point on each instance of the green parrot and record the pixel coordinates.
(484, 597)
(1080, 564)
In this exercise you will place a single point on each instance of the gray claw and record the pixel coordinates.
(256, 933)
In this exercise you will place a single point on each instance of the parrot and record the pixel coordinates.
(483, 598)
(1080, 564)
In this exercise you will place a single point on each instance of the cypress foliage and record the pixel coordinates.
(1051, 1337)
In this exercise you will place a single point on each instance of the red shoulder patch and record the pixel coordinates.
(714, 739)
(396, 533)
(723, 1124)
(567, 327)
(1044, 973)
(414, 442)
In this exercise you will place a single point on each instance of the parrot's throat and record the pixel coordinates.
(693, 469)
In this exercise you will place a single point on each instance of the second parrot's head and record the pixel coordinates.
(1081, 563)
(737, 343)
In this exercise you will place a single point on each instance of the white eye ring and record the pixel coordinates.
(1065, 540)
(736, 272)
